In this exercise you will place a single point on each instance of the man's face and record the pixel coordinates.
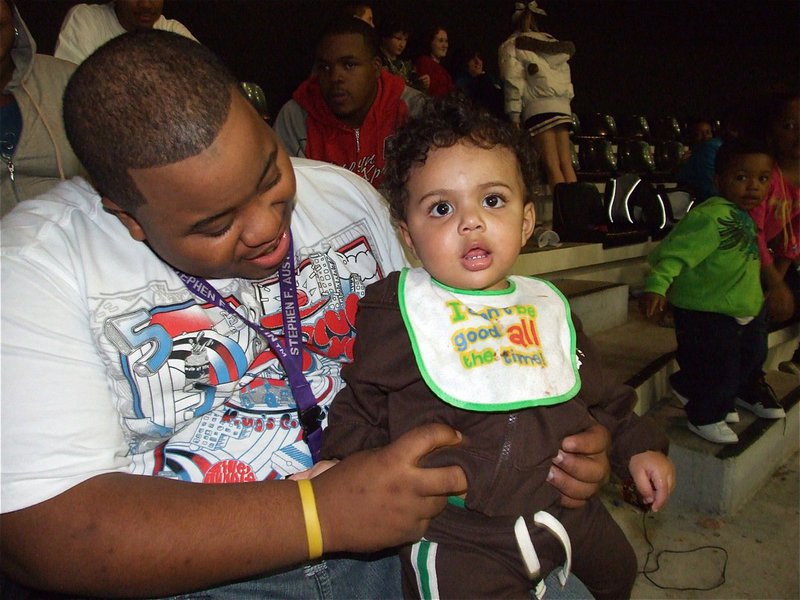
(785, 133)
(138, 14)
(439, 45)
(396, 44)
(348, 76)
(224, 212)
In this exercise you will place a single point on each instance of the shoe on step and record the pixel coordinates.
(719, 432)
(760, 400)
(681, 398)
(791, 367)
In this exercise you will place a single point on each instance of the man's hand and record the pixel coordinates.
(581, 466)
(380, 498)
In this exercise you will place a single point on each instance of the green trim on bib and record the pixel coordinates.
(483, 387)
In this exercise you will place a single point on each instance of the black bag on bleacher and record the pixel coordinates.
(579, 216)
(633, 203)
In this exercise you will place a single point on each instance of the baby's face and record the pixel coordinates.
(746, 180)
(466, 218)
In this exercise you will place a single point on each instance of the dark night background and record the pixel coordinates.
(650, 57)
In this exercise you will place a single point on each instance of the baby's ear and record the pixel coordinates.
(403, 227)
(528, 222)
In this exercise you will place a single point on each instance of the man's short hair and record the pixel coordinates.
(144, 99)
(443, 123)
(731, 150)
(343, 25)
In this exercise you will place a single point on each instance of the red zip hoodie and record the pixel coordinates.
(358, 150)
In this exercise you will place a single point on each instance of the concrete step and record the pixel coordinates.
(712, 478)
(600, 305)
(571, 260)
(720, 479)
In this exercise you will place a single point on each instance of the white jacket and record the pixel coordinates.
(535, 82)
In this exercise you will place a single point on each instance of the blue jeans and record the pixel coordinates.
(340, 578)
(348, 579)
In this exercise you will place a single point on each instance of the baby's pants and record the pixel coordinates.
(468, 555)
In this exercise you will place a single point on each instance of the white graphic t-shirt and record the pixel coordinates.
(111, 364)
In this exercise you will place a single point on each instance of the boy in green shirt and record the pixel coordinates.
(709, 268)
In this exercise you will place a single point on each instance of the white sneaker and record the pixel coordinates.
(681, 398)
(789, 366)
(719, 432)
(732, 417)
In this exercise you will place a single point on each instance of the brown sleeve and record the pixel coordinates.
(357, 418)
(612, 404)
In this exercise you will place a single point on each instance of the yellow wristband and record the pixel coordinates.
(313, 529)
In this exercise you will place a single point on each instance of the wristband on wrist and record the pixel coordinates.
(313, 529)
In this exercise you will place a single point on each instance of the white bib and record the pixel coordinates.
(491, 350)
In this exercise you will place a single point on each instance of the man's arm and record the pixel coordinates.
(290, 125)
(130, 535)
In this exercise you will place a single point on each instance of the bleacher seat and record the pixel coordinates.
(596, 158)
(633, 126)
(598, 125)
(666, 129)
(634, 156)
(255, 94)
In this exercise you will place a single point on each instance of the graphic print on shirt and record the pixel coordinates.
(204, 397)
(737, 231)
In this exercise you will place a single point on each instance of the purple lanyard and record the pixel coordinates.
(290, 356)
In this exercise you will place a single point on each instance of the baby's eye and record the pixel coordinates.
(441, 209)
(493, 201)
(764, 178)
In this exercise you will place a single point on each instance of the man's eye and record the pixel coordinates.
(441, 209)
(219, 232)
(494, 201)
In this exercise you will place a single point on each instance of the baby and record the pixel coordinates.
(497, 357)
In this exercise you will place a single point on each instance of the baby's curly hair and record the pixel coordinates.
(445, 122)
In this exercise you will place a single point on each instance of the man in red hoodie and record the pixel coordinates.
(346, 110)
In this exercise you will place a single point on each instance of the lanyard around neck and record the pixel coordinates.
(290, 355)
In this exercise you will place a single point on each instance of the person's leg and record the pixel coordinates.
(754, 393)
(602, 557)
(708, 358)
(564, 146)
(330, 579)
(547, 147)
(573, 589)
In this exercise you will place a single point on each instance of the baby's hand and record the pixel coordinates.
(652, 305)
(318, 468)
(654, 476)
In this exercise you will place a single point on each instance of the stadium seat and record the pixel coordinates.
(634, 156)
(598, 124)
(666, 129)
(633, 126)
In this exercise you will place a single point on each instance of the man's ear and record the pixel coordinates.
(528, 222)
(403, 227)
(378, 64)
(127, 219)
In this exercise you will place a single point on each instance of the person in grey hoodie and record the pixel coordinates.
(33, 145)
